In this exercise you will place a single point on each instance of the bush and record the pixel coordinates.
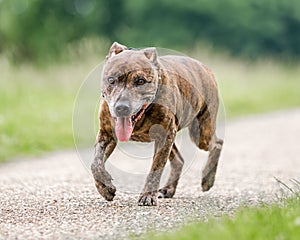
(40, 30)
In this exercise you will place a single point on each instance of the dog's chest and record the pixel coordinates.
(147, 124)
(141, 136)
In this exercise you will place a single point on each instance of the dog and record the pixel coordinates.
(147, 98)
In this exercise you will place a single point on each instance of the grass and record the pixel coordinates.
(277, 221)
(260, 88)
(36, 104)
(36, 108)
(254, 87)
(280, 220)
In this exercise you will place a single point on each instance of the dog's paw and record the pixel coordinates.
(148, 199)
(208, 182)
(166, 192)
(107, 191)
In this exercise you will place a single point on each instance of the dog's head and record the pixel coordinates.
(130, 81)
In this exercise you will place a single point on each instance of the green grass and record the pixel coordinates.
(259, 88)
(36, 104)
(277, 221)
(36, 108)
(253, 87)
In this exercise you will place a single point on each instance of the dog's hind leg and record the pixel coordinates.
(202, 133)
(176, 162)
(210, 169)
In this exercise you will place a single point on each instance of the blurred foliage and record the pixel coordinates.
(41, 30)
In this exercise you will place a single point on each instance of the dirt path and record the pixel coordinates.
(54, 197)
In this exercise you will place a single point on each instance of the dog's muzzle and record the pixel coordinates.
(125, 120)
(122, 109)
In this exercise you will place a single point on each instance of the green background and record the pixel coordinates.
(38, 30)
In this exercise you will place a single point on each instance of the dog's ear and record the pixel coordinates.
(115, 49)
(151, 54)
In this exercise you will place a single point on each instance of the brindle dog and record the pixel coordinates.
(150, 98)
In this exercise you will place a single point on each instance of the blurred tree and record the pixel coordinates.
(41, 30)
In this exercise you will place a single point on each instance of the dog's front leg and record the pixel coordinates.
(164, 138)
(103, 148)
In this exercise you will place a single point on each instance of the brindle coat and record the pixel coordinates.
(171, 93)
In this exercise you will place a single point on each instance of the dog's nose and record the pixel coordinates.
(122, 109)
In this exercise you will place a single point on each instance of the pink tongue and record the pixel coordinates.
(123, 129)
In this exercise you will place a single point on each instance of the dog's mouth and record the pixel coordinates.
(124, 125)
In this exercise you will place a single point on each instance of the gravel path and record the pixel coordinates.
(54, 197)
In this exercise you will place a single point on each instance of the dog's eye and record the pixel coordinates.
(111, 80)
(140, 81)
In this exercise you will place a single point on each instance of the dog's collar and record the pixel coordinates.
(149, 107)
(130, 48)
